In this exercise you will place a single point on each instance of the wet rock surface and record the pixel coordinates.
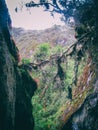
(86, 118)
(23, 110)
(16, 90)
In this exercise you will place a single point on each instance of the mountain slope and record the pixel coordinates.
(27, 40)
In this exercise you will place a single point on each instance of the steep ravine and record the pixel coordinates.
(77, 114)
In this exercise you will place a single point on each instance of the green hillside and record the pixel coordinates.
(28, 40)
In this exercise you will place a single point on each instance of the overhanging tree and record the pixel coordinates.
(85, 14)
(86, 19)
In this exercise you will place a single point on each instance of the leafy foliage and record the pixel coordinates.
(26, 61)
(52, 92)
(42, 52)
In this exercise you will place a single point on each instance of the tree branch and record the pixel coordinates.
(55, 57)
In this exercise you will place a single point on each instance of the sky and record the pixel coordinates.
(35, 19)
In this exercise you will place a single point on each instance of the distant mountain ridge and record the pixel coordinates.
(27, 40)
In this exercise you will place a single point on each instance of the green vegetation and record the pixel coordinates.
(42, 52)
(25, 61)
(52, 92)
(55, 77)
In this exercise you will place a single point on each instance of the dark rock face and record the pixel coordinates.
(16, 91)
(7, 88)
(16, 85)
(24, 91)
(86, 118)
